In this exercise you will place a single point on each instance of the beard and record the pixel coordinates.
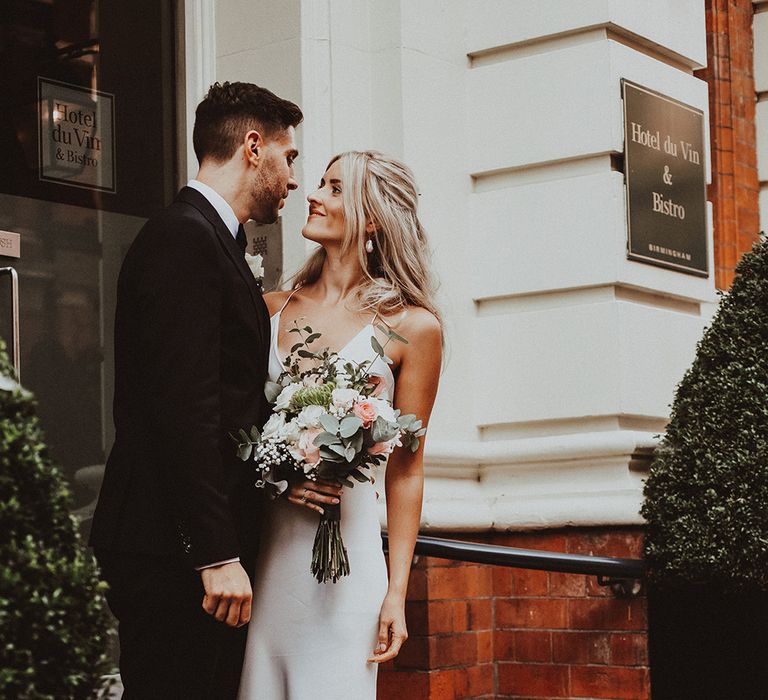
(267, 192)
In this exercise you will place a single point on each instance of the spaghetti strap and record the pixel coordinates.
(282, 308)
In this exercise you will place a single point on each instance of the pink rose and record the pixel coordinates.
(306, 450)
(383, 448)
(366, 412)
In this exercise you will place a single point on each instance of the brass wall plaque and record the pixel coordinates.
(10, 244)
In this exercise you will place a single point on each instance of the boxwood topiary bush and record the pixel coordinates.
(53, 618)
(706, 498)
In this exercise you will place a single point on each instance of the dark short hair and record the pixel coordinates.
(229, 110)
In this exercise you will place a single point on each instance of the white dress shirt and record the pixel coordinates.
(227, 215)
(220, 204)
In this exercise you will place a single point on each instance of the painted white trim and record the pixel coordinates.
(586, 479)
(199, 68)
(539, 449)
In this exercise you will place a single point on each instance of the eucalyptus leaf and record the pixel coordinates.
(382, 431)
(296, 347)
(330, 423)
(272, 390)
(255, 434)
(349, 453)
(244, 451)
(325, 438)
(329, 455)
(349, 426)
(306, 354)
(376, 345)
(391, 334)
(406, 420)
(357, 441)
(294, 330)
(338, 449)
(312, 338)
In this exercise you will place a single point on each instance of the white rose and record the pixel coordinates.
(344, 398)
(255, 262)
(273, 426)
(290, 432)
(383, 409)
(284, 399)
(310, 416)
(341, 381)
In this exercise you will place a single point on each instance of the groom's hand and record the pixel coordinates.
(228, 594)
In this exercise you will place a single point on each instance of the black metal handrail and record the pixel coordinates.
(622, 574)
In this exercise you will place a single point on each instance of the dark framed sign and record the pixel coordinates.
(76, 130)
(666, 181)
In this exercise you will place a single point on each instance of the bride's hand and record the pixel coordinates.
(392, 630)
(313, 494)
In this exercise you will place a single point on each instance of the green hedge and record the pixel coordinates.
(52, 612)
(707, 493)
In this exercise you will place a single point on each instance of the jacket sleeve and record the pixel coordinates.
(179, 287)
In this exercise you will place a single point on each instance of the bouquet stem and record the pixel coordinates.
(329, 556)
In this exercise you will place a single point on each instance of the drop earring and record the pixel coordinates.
(369, 245)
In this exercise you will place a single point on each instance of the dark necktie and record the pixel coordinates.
(242, 241)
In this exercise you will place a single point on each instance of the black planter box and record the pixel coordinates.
(705, 644)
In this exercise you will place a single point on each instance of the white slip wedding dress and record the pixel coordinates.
(309, 640)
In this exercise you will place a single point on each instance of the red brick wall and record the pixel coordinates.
(495, 632)
(735, 188)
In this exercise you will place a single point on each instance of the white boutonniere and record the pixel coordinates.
(256, 264)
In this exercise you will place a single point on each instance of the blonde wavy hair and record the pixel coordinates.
(396, 274)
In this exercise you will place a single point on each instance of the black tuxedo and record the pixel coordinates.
(191, 352)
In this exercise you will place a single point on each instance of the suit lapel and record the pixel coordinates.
(231, 248)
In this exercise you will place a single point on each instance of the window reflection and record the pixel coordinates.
(74, 237)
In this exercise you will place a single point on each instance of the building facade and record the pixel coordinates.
(563, 352)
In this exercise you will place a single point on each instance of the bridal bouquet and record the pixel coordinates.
(328, 422)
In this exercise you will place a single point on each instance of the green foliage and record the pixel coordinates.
(707, 492)
(52, 611)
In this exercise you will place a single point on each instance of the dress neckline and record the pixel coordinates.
(275, 323)
(276, 332)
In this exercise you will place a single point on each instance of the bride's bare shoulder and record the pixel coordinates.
(275, 300)
(416, 324)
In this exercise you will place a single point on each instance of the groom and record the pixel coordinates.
(174, 529)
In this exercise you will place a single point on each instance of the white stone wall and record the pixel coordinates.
(760, 33)
(562, 354)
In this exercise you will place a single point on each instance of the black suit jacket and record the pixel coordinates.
(191, 350)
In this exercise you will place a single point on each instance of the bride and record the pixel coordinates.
(305, 639)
